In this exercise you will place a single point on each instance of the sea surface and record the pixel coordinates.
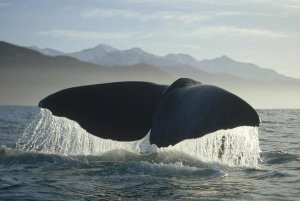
(43, 157)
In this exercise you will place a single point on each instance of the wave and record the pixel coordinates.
(110, 163)
(57, 135)
(18, 158)
(279, 157)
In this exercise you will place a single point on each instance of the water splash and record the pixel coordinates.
(234, 147)
(56, 135)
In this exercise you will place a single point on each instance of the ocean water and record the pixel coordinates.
(43, 157)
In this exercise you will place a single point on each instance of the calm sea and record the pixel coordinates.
(47, 158)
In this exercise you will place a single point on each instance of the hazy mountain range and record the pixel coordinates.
(105, 55)
(26, 76)
(29, 74)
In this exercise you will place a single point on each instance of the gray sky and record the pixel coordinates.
(264, 32)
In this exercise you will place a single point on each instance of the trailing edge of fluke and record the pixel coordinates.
(126, 111)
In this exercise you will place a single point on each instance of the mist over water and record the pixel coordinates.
(43, 157)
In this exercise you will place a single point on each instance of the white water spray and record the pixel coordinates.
(234, 147)
(56, 135)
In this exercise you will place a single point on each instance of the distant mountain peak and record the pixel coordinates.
(181, 58)
(224, 58)
(181, 55)
(105, 47)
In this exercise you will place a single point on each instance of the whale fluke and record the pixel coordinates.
(191, 110)
(118, 111)
(126, 111)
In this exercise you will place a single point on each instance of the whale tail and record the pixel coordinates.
(126, 111)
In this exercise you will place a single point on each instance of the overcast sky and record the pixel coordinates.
(264, 32)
